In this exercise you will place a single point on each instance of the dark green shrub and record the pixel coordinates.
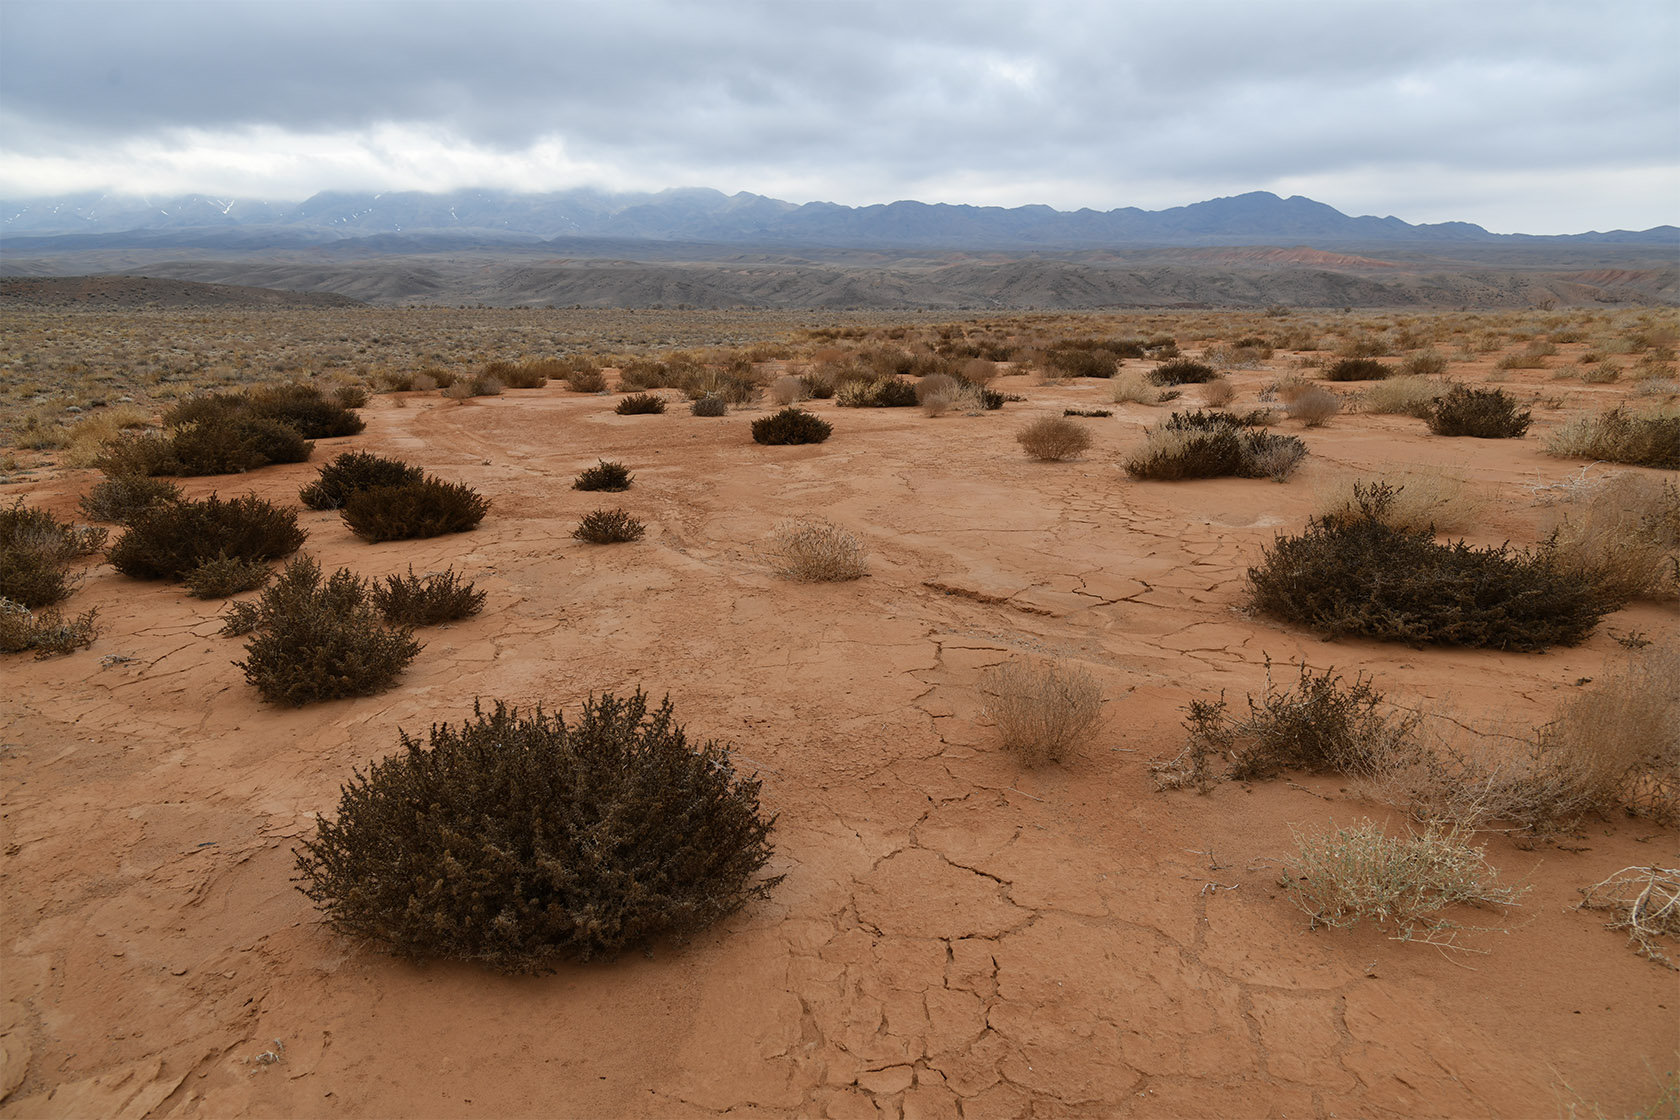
(122, 497)
(1620, 437)
(522, 841)
(222, 576)
(1181, 371)
(709, 406)
(1082, 362)
(353, 471)
(440, 597)
(47, 632)
(1482, 413)
(36, 550)
(608, 526)
(1358, 575)
(1321, 725)
(640, 404)
(412, 510)
(169, 541)
(604, 476)
(1214, 445)
(237, 444)
(316, 640)
(1358, 369)
(790, 425)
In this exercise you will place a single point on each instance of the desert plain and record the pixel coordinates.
(956, 934)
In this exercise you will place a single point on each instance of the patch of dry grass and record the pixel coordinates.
(1424, 497)
(816, 551)
(1043, 711)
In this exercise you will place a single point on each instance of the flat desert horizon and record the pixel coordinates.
(955, 933)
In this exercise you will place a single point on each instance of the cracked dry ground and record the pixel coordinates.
(955, 936)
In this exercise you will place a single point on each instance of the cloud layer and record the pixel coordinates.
(1521, 116)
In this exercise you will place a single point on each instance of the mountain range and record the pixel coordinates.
(487, 219)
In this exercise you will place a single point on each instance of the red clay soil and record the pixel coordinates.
(955, 936)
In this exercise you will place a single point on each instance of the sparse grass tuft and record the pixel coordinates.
(1043, 712)
(1418, 500)
(815, 551)
(1053, 439)
(1618, 436)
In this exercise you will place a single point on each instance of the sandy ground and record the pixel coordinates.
(955, 936)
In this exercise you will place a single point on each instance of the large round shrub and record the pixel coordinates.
(521, 841)
(170, 541)
(412, 510)
(1482, 413)
(791, 425)
(354, 471)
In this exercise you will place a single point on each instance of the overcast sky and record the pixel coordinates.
(1522, 116)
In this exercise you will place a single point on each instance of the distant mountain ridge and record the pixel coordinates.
(487, 218)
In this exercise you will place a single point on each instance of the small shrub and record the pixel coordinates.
(709, 406)
(170, 541)
(520, 375)
(1083, 363)
(1645, 901)
(36, 550)
(819, 385)
(604, 476)
(439, 597)
(412, 510)
(1134, 388)
(541, 841)
(1406, 396)
(224, 576)
(1481, 413)
(1176, 450)
(1426, 363)
(1412, 499)
(884, 392)
(1357, 575)
(1053, 439)
(585, 378)
(354, 471)
(817, 552)
(1348, 875)
(790, 426)
(789, 389)
(1314, 407)
(640, 404)
(1218, 393)
(1358, 369)
(608, 526)
(1623, 537)
(322, 640)
(305, 408)
(234, 445)
(122, 497)
(1042, 711)
(239, 619)
(1618, 436)
(480, 384)
(143, 454)
(1089, 413)
(47, 632)
(1182, 371)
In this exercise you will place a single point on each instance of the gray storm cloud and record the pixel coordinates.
(866, 102)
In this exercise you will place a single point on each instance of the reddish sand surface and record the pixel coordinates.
(955, 936)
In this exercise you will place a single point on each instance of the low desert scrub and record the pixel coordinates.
(122, 497)
(709, 406)
(1053, 439)
(36, 552)
(608, 526)
(1289, 388)
(322, 640)
(883, 392)
(1314, 407)
(1623, 536)
(640, 404)
(1088, 413)
(1479, 413)
(788, 389)
(1358, 369)
(1218, 393)
(414, 601)
(1182, 371)
(790, 426)
(815, 551)
(530, 374)
(48, 632)
(87, 437)
(1356, 575)
(1425, 363)
(412, 510)
(233, 445)
(583, 376)
(1322, 724)
(1213, 445)
(171, 541)
(1645, 901)
(1618, 436)
(1348, 875)
(1413, 500)
(612, 477)
(1082, 363)
(1404, 396)
(480, 384)
(541, 841)
(352, 472)
(302, 407)
(1134, 388)
(936, 393)
(819, 384)
(223, 576)
(1043, 711)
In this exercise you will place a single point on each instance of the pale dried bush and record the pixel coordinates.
(1404, 396)
(1348, 875)
(1042, 711)
(979, 371)
(1424, 498)
(1313, 407)
(1218, 393)
(1622, 737)
(1623, 535)
(789, 389)
(815, 551)
(1645, 901)
(1134, 388)
(1053, 439)
(1289, 388)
